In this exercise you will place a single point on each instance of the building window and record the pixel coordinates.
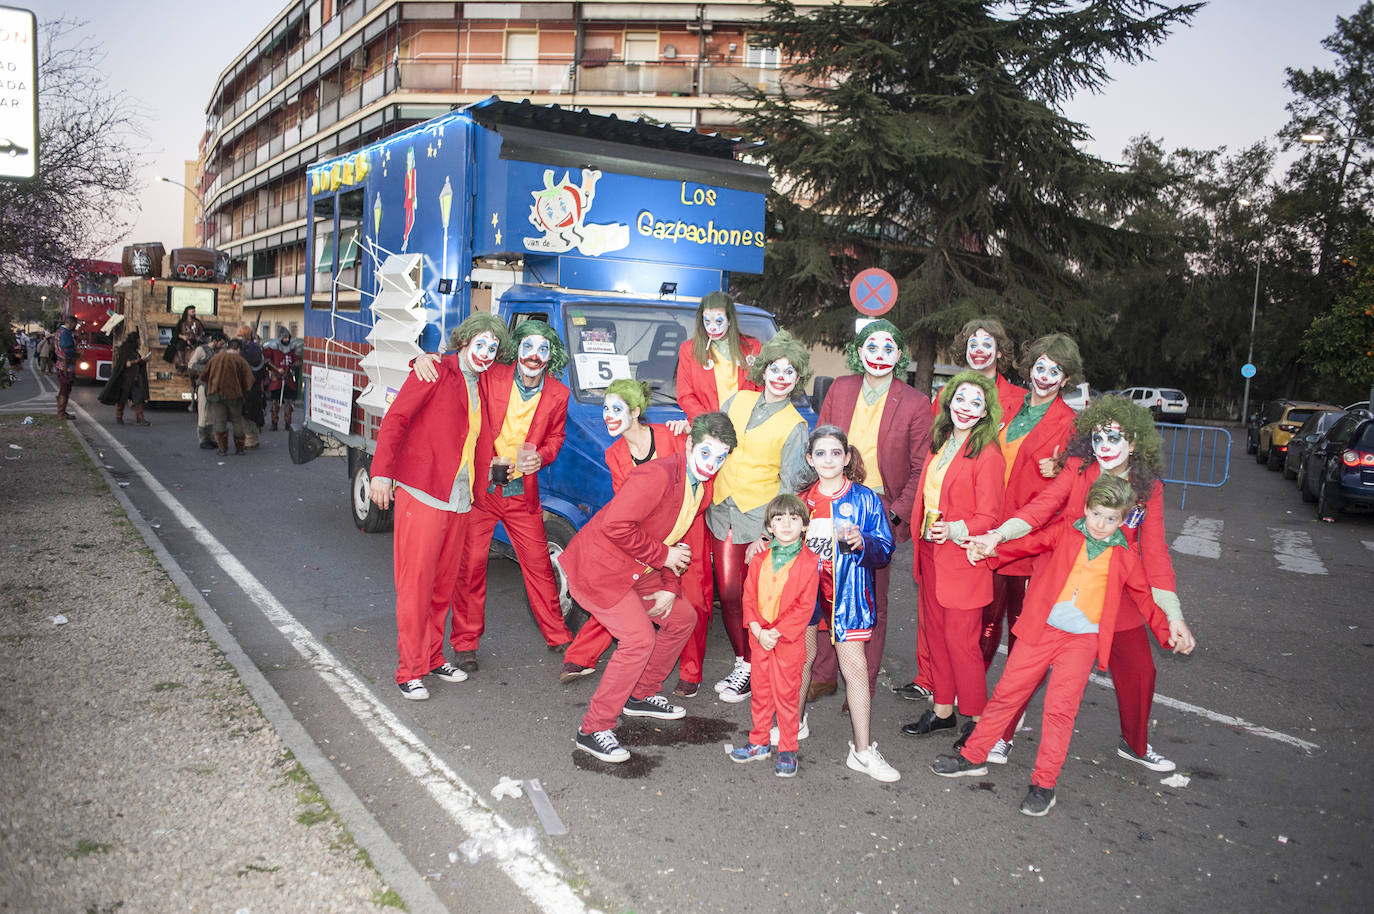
(522, 47)
(641, 47)
(763, 58)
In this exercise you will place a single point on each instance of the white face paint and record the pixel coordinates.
(982, 351)
(879, 354)
(617, 415)
(481, 352)
(967, 406)
(715, 323)
(780, 378)
(533, 357)
(708, 457)
(828, 458)
(1110, 447)
(1047, 378)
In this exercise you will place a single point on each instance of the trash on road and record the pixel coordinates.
(1176, 780)
(548, 816)
(15, 447)
(28, 420)
(502, 845)
(506, 787)
(1283, 839)
(58, 619)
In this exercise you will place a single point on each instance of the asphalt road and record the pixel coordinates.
(1269, 719)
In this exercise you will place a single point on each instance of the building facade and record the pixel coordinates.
(327, 76)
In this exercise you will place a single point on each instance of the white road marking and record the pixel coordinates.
(1368, 544)
(1200, 536)
(1293, 551)
(534, 874)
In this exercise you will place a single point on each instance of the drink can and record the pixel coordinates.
(931, 516)
(1135, 516)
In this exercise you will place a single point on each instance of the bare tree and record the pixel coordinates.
(89, 152)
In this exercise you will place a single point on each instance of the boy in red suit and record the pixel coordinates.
(1067, 624)
(623, 567)
(779, 600)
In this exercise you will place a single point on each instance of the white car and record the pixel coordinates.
(1166, 404)
(1079, 396)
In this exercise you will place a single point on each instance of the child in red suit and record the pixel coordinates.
(779, 599)
(1067, 623)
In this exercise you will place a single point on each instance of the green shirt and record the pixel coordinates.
(1026, 419)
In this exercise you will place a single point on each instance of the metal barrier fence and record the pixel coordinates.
(1195, 455)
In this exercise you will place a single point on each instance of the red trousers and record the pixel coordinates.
(957, 664)
(775, 683)
(644, 657)
(826, 666)
(526, 534)
(727, 558)
(592, 639)
(1072, 658)
(1008, 593)
(426, 551)
(1132, 665)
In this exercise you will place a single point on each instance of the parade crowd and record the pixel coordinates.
(1021, 514)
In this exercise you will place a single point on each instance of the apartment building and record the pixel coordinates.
(327, 76)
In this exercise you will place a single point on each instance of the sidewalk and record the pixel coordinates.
(138, 773)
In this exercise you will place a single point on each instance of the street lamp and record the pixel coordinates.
(1254, 308)
(204, 236)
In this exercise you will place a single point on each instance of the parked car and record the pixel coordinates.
(1260, 418)
(1304, 438)
(1079, 396)
(1274, 436)
(1363, 404)
(1339, 469)
(1166, 404)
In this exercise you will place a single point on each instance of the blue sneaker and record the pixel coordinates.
(749, 752)
(787, 765)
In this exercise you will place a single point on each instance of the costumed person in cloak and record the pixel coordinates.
(283, 374)
(128, 379)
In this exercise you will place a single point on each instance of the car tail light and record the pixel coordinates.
(1358, 458)
(1289, 428)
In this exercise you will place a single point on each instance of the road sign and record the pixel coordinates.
(1247, 370)
(873, 292)
(19, 84)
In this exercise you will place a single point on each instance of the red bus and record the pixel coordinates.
(89, 293)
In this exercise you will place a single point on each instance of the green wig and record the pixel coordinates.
(558, 353)
(851, 350)
(714, 425)
(1110, 492)
(1061, 349)
(636, 394)
(1137, 425)
(783, 345)
(982, 434)
(478, 323)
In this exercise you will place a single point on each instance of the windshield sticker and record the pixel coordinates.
(579, 321)
(598, 341)
(559, 211)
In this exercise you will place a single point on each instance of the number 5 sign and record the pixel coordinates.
(595, 370)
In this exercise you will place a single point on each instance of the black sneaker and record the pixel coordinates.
(1038, 801)
(653, 706)
(956, 766)
(466, 661)
(964, 733)
(929, 724)
(414, 689)
(738, 690)
(449, 673)
(603, 745)
(913, 692)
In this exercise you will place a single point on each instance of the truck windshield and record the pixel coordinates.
(610, 341)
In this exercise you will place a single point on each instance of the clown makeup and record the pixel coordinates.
(708, 457)
(617, 415)
(779, 379)
(715, 323)
(533, 356)
(481, 352)
(967, 406)
(1110, 447)
(982, 351)
(1047, 379)
(880, 354)
(828, 458)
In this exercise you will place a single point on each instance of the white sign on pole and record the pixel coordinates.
(18, 94)
(331, 398)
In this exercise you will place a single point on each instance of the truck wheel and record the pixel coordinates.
(1307, 496)
(367, 517)
(559, 533)
(1328, 502)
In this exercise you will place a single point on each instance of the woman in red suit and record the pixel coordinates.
(715, 362)
(964, 481)
(1114, 436)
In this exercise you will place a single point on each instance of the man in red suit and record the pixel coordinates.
(889, 422)
(624, 568)
(425, 449)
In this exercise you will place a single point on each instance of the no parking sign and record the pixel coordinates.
(873, 292)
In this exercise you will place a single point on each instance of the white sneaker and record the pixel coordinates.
(740, 667)
(413, 689)
(1151, 759)
(803, 731)
(871, 763)
(997, 755)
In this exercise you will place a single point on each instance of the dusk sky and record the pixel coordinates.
(1217, 83)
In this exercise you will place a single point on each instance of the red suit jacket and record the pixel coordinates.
(1052, 431)
(1126, 579)
(614, 551)
(1067, 497)
(903, 440)
(1009, 397)
(620, 463)
(798, 601)
(546, 429)
(421, 439)
(972, 492)
(696, 384)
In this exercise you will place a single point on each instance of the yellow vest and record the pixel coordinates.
(863, 434)
(726, 375)
(1086, 586)
(516, 426)
(470, 442)
(752, 474)
(771, 584)
(1009, 451)
(687, 513)
(935, 479)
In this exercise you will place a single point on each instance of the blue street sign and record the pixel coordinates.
(1247, 370)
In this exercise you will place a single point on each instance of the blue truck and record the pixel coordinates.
(609, 230)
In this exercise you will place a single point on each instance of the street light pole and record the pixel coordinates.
(204, 235)
(1254, 309)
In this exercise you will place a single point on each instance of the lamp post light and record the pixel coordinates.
(204, 235)
(1254, 309)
